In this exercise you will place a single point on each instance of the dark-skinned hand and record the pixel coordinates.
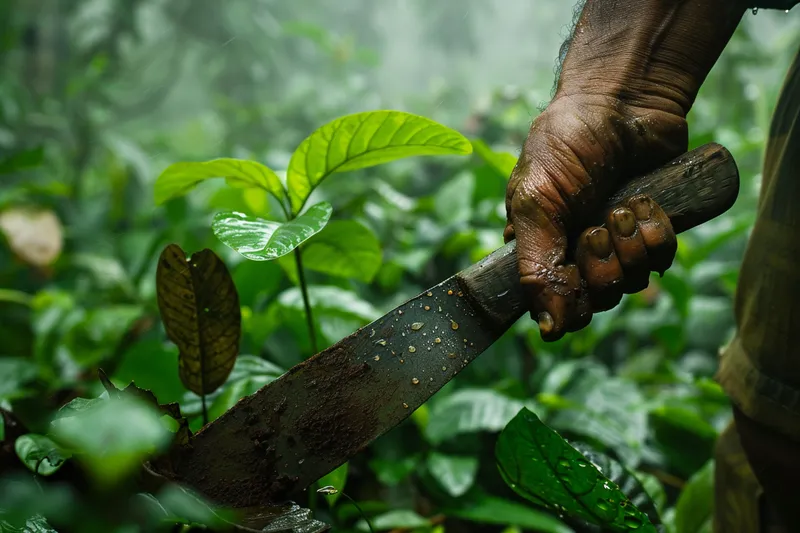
(578, 151)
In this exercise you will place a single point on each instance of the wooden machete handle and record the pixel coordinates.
(692, 189)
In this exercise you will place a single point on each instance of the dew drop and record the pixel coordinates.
(412, 349)
(437, 340)
(440, 308)
(400, 312)
(416, 326)
(444, 369)
(371, 333)
(454, 324)
(429, 293)
(377, 358)
(403, 334)
(402, 361)
(427, 308)
(755, 11)
(452, 356)
(382, 342)
(405, 405)
(460, 293)
(301, 461)
(415, 381)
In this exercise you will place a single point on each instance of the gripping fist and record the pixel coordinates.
(578, 150)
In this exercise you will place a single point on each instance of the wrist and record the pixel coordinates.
(653, 54)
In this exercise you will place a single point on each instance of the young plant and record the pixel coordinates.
(348, 143)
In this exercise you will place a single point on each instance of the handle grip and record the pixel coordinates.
(692, 189)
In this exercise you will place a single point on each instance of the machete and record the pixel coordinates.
(276, 442)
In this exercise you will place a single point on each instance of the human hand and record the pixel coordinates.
(578, 150)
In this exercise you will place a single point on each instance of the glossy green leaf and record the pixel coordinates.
(502, 162)
(397, 519)
(180, 178)
(336, 479)
(540, 465)
(345, 248)
(470, 411)
(453, 200)
(484, 509)
(263, 240)
(200, 310)
(625, 479)
(695, 508)
(111, 437)
(455, 474)
(40, 454)
(363, 140)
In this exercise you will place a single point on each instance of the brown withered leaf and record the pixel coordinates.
(200, 309)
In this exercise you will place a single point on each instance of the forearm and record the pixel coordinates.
(653, 54)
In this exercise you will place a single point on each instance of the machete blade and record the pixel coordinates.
(278, 441)
(326, 409)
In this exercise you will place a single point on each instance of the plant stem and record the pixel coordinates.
(205, 410)
(298, 256)
(369, 524)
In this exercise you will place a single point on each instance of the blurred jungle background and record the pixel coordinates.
(98, 97)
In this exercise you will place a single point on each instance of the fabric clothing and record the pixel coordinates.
(758, 456)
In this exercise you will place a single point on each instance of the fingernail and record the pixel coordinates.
(546, 324)
(599, 242)
(624, 222)
(642, 208)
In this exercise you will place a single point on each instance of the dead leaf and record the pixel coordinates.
(34, 236)
(200, 309)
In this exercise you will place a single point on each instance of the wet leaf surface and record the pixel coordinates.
(541, 466)
(263, 240)
(200, 309)
(363, 140)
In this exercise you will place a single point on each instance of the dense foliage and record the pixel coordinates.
(100, 100)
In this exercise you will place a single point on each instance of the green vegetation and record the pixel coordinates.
(115, 117)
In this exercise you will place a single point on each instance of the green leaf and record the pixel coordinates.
(625, 479)
(112, 437)
(453, 201)
(330, 300)
(490, 510)
(398, 519)
(695, 508)
(180, 178)
(363, 140)
(337, 480)
(541, 466)
(17, 372)
(200, 310)
(17, 297)
(263, 240)
(391, 472)
(455, 474)
(345, 248)
(608, 409)
(470, 411)
(22, 160)
(40, 454)
(502, 162)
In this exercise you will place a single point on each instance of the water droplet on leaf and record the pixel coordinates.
(416, 326)
(437, 340)
(377, 357)
(415, 381)
(454, 324)
(412, 349)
